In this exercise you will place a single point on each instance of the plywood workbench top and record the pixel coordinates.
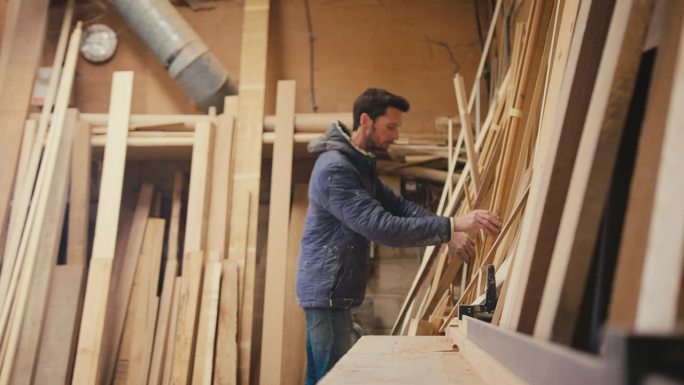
(402, 360)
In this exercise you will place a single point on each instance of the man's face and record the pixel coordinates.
(385, 130)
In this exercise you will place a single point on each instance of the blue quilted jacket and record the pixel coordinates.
(349, 207)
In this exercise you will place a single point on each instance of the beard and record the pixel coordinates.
(371, 143)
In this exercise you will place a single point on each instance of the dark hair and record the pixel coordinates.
(374, 102)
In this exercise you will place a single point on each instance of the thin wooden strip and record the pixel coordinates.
(37, 279)
(79, 197)
(161, 335)
(199, 194)
(226, 369)
(122, 277)
(173, 327)
(221, 179)
(594, 164)
(203, 369)
(22, 60)
(459, 87)
(191, 283)
(278, 223)
(97, 290)
(147, 302)
(638, 217)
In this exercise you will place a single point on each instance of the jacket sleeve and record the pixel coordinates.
(349, 202)
(398, 205)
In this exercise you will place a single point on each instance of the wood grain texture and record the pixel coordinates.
(592, 171)
(278, 222)
(97, 289)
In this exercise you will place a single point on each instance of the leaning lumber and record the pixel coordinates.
(594, 164)
(203, 363)
(279, 215)
(226, 368)
(87, 363)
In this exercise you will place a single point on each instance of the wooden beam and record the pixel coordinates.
(459, 87)
(169, 356)
(278, 223)
(97, 290)
(161, 334)
(635, 234)
(594, 164)
(247, 167)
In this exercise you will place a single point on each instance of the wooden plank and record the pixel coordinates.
(419, 327)
(591, 174)
(97, 289)
(147, 302)
(553, 170)
(46, 252)
(161, 334)
(661, 298)
(79, 197)
(173, 327)
(294, 362)
(122, 277)
(221, 179)
(191, 283)
(226, 369)
(278, 223)
(403, 360)
(203, 369)
(58, 343)
(22, 61)
(247, 167)
(198, 196)
(635, 239)
(459, 87)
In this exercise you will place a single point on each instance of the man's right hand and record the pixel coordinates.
(463, 246)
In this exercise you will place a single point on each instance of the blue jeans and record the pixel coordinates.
(328, 338)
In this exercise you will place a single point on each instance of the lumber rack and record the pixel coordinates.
(626, 358)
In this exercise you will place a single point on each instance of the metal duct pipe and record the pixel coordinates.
(179, 49)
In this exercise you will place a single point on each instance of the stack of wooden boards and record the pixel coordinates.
(545, 159)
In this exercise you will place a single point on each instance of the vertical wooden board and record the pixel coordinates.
(247, 167)
(122, 277)
(141, 310)
(221, 179)
(22, 58)
(58, 343)
(174, 225)
(551, 176)
(198, 196)
(171, 339)
(203, 369)
(79, 197)
(46, 257)
(591, 173)
(635, 238)
(97, 289)
(459, 87)
(294, 361)
(661, 297)
(278, 223)
(191, 283)
(226, 370)
(161, 334)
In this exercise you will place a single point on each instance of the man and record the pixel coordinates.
(349, 207)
